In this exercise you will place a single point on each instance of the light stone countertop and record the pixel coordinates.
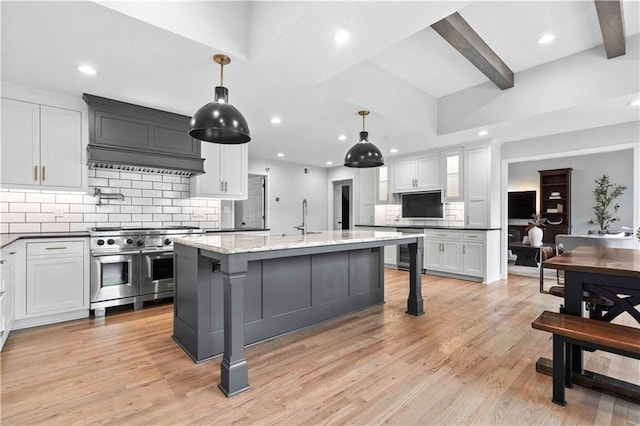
(264, 241)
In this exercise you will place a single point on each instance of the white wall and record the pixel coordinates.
(618, 165)
(288, 182)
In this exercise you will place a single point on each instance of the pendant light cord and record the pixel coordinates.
(221, 75)
(363, 116)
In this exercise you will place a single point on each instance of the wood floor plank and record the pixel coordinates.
(469, 360)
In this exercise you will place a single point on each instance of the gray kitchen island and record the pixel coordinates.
(236, 290)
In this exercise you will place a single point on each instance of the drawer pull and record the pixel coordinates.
(56, 248)
(442, 235)
(12, 253)
(472, 236)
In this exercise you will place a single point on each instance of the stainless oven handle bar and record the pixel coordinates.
(114, 253)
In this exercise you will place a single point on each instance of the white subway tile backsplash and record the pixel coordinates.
(151, 209)
(12, 217)
(108, 174)
(69, 198)
(180, 187)
(131, 209)
(39, 198)
(149, 200)
(71, 217)
(119, 183)
(74, 227)
(142, 201)
(171, 179)
(40, 217)
(107, 224)
(102, 182)
(151, 178)
(82, 208)
(55, 227)
(171, 194)
(17, 228)
(141, 184)
(161, 185)
(130, 176)
(151, 193)
(24, 207)
(96, 217)
(12, 197)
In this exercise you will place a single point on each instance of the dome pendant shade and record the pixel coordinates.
(220, 122)
(363, 154)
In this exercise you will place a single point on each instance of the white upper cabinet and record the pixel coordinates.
(367, 193)
(41, 146)
(452, 176)
(225, 172)
(421, 174)
(476, 188)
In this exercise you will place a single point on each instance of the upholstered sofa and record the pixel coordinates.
(569, 242)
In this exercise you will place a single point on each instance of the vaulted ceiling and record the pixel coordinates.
(422, 93)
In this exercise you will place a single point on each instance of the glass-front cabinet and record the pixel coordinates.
(382, 192)
(452, 168)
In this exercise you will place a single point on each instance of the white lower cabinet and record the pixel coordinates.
(7, 293)
(56, 282)
(464, 254)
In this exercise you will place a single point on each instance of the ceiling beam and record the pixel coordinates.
(612, 26)
(459, 34)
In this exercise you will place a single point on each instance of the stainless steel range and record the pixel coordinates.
(131, 265)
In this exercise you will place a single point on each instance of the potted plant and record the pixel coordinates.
(534, 230)
(605, 192)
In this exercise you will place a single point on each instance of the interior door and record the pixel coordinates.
(253, 206)
(337, 206)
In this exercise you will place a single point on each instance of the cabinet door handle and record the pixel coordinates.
(35, 172)
(226, 186)
(56, 248)
(464, 249)
(472, 236)
(221, 186)
(2, 261)
(43, 178)
(467, 219)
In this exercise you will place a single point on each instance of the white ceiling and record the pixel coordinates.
(286, 63)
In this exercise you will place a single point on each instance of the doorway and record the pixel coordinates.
(342, 204)
(251, 213)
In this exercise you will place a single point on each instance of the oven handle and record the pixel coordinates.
(156, 251)
(115, 253)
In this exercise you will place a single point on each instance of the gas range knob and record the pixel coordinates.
(167, 242)
(140, 243)
(100, 242)
(110, 241)
(129, 240)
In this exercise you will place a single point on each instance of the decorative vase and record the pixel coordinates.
(535, 237)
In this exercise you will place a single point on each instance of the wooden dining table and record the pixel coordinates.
(610, 272)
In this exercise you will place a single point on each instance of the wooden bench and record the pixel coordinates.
(571, 330)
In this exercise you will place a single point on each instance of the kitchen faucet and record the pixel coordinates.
(303, 227)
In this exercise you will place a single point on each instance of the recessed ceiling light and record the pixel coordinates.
(341, 37)
(483, 133)
(280, 154)
(547, 38)
(393, 150)
(329, 163)
(87, 69)
(342, 137)
(635, 103)
(276, 120)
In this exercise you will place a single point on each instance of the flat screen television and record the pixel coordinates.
(423, 205)
(522, 204)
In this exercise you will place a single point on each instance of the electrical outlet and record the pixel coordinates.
(57, 211)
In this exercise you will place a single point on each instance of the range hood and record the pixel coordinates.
(123, 136)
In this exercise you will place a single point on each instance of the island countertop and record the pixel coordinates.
(264, 241)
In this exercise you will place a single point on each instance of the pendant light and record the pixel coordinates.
(364, 153)
(219, 121)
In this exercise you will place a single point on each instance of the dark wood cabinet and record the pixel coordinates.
(555, 202)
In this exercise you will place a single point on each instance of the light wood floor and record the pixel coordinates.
(468, 360)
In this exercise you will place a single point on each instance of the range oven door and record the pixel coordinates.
(115, 276)
(157, 272)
